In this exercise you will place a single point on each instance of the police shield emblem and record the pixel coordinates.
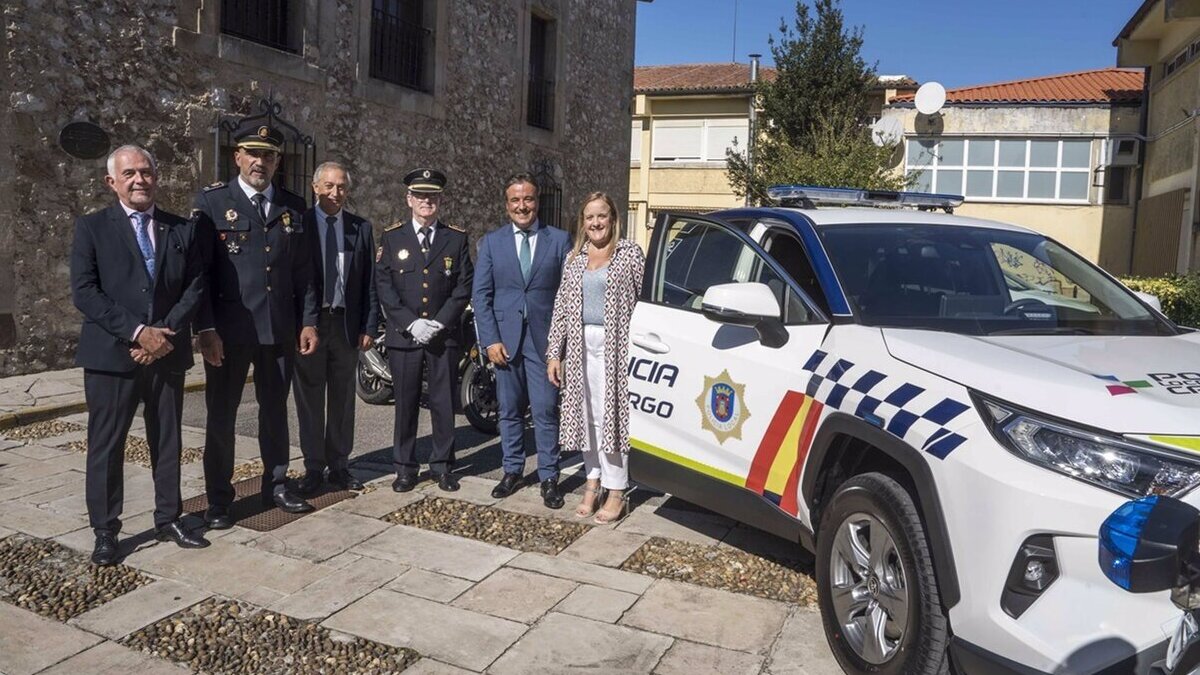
(722, 406)
(403, 254)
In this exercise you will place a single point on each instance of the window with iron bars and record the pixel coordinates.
(267, 22)
(401, 45)
(540, 104)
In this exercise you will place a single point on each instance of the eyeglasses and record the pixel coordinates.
(425, 196)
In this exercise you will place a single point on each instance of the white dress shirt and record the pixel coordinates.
(432, 225)
(269, 193)
(339, 233)
(534, 228)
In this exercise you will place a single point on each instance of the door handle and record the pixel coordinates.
(651, 343)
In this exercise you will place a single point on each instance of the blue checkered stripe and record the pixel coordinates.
(903, 409)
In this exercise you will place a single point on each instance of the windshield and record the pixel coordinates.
(979, 280)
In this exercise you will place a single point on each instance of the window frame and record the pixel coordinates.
(429, 48)
(704, 124)
(996, 167)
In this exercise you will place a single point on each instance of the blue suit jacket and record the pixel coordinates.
(506, 306)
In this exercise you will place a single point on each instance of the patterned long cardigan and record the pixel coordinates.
(566, 335)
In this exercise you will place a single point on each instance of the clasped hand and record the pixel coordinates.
(424, 330)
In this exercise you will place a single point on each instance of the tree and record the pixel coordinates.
(811, 128)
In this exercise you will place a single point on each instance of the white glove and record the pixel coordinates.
(421, 331)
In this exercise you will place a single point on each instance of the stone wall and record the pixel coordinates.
(159, 72)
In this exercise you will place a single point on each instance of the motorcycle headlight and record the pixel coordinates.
(1106, 461)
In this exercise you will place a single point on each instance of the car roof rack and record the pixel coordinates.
(813, 196)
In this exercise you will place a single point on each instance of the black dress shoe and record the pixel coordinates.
(105, 552)
(310, 483)
(404, 482)
(551, 496)
(217, 518)
(176, 532)
(344, 480)
(448, 482)
(287, 502)
(507, 485)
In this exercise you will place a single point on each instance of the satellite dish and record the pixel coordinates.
(887, 131)
(930, 98)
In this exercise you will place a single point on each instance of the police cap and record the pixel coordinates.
(425, 180)
(256, 135)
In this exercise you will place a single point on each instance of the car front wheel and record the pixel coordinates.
(876, 585)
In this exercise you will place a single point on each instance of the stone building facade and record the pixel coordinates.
(491, 87)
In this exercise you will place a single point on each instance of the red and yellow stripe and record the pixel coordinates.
(775, 471)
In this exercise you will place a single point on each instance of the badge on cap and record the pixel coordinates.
(403, 254)
(264, 132)
(426, 174)
(231, 216)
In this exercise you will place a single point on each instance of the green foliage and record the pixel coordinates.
(1179, 295)
(811, 130)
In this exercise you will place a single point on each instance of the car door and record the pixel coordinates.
(708, 396)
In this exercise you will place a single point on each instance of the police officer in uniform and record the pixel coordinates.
(261, 307)
(423, 272)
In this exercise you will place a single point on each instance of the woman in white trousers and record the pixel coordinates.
(588, 349)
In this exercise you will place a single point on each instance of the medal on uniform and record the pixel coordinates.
(403, 254)
(379, 254)
(231, 216)
(287, 221)
(243, 237)
(449, 263)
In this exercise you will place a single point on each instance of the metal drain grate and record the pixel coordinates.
(248, 511)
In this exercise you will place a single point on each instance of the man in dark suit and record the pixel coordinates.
(343, 247)
(424, 279)
(138, 279)
(261, 308)
(519, 268)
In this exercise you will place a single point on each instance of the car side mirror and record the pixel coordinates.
(1149, 544)
(747, 304)
(1149, 299)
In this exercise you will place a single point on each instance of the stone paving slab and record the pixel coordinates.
(436, 552)
(320, 536)
(30, 643)
(596, 603)
(380, 502)
(470, 489)
(110, 658)
(344, 586)
(141, 607)
(232, 570)
(30, 487)
(429, 585)
(4, 532)
(718, 618)
(569, 644)
(692, 658)
(528, 500)
(428, 666)
(604, 546)
(456, 636)
(10, 458)
(75, 461)
(515, 594)
(37, 522)
(38, 450)
(582, 572)
(686, 525)
(801, 648)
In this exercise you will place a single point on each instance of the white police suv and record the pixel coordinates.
(943, 409)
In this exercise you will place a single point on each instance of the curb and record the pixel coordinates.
(40, 413)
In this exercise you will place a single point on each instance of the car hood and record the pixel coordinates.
(1126, 385)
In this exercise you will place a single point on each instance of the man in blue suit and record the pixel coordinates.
(516, 278)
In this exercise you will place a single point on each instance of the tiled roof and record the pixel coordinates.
(1105, 85)
(706, 77)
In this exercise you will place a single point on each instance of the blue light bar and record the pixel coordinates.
(810, 196)
(1119, 538)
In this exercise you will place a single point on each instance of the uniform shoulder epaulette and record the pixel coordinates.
(456, 228)
(398, 223)
(214, 186)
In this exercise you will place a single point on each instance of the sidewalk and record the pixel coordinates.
(29, 398)
(427, 582)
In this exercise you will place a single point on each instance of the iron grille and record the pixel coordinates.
(400, 44)
(549, 194)
(298, 158)
(541, 103)
(267, 22)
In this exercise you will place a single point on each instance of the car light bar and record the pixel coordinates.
(809, 196)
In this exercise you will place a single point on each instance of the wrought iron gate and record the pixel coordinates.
(297, 160)
(549, 195)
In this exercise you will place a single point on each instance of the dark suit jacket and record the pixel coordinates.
(504, 303)
(260, 274)
(362, 307)
(109, 284)
(414, 286)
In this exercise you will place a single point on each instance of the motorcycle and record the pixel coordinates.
(476, 378)
(1152, 545)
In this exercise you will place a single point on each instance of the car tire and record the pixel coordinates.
(874, 567)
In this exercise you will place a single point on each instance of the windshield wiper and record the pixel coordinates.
(1056, 330)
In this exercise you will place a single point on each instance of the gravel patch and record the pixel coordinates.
(494, 526)
(40, 430)
(725, 569)
(224, 636)
(137, 451)
(255, 470)
(57, 582)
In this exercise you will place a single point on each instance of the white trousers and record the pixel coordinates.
(609, 467)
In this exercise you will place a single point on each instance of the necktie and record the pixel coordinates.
(331, 251)
(142, 221)
(424, 239)
(260, 201)
(526, 255)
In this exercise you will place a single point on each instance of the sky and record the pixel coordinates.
(956, 42)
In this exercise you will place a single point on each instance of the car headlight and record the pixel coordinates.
(1107, 461)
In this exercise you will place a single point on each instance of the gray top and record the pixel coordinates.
(594, 282)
